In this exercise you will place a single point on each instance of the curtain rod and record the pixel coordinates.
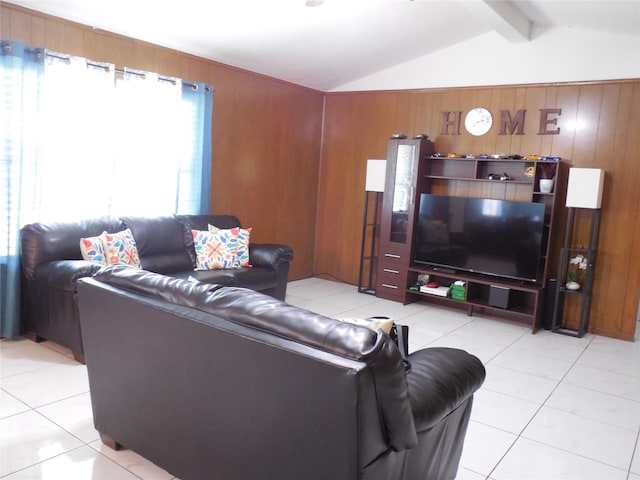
(122, 70)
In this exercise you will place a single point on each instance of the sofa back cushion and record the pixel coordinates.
(160, 243)
(270, 315)
(47, 242)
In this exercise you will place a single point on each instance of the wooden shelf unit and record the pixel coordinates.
(407, 160)
(470, 177)
(525, 301)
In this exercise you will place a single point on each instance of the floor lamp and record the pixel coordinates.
(577, 262)
(374, 184)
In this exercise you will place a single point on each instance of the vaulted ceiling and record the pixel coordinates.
(336, 41)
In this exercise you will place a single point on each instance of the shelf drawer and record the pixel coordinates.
(390, 255)
(391, 279)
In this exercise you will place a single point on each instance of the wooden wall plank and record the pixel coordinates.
(606, 138)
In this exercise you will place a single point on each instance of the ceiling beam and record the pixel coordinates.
(503, 17)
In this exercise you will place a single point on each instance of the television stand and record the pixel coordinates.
(515, 301)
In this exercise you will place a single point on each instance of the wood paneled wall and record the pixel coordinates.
(270, 170)
(599, 128)
(266, 133)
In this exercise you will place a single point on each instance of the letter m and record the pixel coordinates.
(513, 125)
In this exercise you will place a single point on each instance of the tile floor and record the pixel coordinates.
(552, 406)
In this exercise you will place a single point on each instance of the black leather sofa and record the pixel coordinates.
(223, 382)
(51, 264)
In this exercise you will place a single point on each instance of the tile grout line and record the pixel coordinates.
(519, 435)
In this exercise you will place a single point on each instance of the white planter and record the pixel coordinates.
(546, 185)
(572, 286)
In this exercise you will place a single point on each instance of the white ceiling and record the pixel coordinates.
(339, 41)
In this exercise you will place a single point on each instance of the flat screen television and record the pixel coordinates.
(490, 237)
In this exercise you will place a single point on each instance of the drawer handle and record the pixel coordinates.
(390, 286)
(391, 255)
(388, 270)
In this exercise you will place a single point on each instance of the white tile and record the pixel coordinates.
(466, 474)
(58, 348)
(532, 363)
(604, 381)
(613, 345)
(614, 355)
(373, 307)
(420, 339)
(589, 438)
(396, 310)
(74, 414)
(28, 438)
(80, 464)
(318, 289)
(635, 463)
(48, 384)
(484, 446)
(11, 343)
(523, 372)
(482, 348)
(439, 320)
(561, 347)
(502, 411)
(295, 300)
(495, 331)
(28, 356)
(599, 406)
(350, 300)
(518, 384)
(323, 308)
(530, 460)
(10, 405)
(133, 462)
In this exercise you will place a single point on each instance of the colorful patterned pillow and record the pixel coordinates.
(241, 237)
(92, 249)
(221, 249)
(121, 248)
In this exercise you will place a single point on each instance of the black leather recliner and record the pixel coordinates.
(223, 382)
(52, 263)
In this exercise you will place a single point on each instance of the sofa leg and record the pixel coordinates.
(110, 442)
(34, 337)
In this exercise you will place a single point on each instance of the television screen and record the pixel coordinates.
(491, 237)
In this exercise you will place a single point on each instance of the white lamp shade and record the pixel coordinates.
(376, 173)
(584, 189)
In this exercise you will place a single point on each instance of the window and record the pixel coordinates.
(79, 139)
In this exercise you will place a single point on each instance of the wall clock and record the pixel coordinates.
(478, 121)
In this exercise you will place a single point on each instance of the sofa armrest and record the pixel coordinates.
(65, 273)
(269, 254)
(440, 380)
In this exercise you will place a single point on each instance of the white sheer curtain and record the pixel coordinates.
(147, 166)
(114, 144)
(77, 151)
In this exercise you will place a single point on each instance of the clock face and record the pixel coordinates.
(478, 121)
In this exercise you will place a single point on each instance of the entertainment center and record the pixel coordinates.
(481, 224)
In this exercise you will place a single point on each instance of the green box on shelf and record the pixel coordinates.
(458, 292)
(456, 295)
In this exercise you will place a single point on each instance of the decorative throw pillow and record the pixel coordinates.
(241, 236)
(121, 248)
(92, 249)
(221, 249)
